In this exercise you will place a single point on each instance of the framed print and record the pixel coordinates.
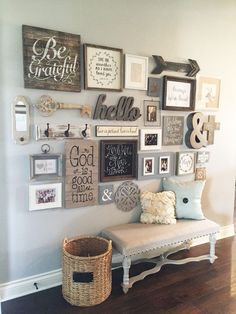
(45, 196)
(203, 157)
(179, 93)
(105, 194)
(136, 71)
(103, 68)
(51, 59)
(150, 139)
(173, 130)
(148, 166)
(118, 160)
(116, 131)
(166, 164)
(208, 93)
(45, 165)
(152, 113)
(185, 163)
(155, 87)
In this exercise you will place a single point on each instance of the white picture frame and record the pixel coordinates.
(148, 166)
(208, 93)
(45, 195)
(136, 72)
(150, 139)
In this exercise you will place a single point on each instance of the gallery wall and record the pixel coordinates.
(30, 242)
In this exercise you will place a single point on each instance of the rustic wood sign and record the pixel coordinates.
(118, 160)
(81, 183)
(116, 131)
(51, 59)
(123, 111)
(173, 128)
(211, 126)
(191, 69)
(195, 138)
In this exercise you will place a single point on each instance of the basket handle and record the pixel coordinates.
(110, 245)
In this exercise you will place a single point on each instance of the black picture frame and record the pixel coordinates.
(179, 93)
(118, 161)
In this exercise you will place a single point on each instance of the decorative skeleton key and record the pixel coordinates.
(47, 106)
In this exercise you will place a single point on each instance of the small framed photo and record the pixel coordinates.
(164, 164)
(185, 163)
(200, 173)
(155, 87)
(136, 71)
(45, 196)
(148, 166)
(203, 157)
(152, 113)
(150, 139)
(103, 68)
(179, 93)
(45, 165)
(208, 93)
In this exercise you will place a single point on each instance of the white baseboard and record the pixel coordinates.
(21, 287)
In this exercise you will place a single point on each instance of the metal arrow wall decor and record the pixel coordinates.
(191, 68)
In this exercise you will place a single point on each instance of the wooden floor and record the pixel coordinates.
(189, 289)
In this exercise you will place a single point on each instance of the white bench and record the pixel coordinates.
(137, 241)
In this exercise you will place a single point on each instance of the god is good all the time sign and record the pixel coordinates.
(51, 59)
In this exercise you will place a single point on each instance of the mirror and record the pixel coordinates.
(21, 120)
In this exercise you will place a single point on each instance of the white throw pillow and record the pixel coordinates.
(158, 207)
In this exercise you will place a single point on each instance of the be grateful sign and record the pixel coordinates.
(51, 59)
(81, 184)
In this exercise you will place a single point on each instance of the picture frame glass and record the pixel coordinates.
(103, 67)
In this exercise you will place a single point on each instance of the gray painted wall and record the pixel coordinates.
(30, 242)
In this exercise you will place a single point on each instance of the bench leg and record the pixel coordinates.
(212, 239)
(126, 266)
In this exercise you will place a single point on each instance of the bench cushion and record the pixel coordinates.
(134, 238)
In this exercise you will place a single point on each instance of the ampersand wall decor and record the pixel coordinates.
(106, 194)
(195, 138)
(127, 196)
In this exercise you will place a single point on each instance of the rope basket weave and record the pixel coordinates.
(86, 270)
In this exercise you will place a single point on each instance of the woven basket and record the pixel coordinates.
(86, 270)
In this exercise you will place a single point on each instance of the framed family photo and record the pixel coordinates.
(165, 164)
(136, 71)
(45, 195)
(45, 165)
(179, 93)
(150, 139)
(152, 113)
(103, 68)
(208, 93)
(148, 166)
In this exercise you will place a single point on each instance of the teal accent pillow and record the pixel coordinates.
(188, 197)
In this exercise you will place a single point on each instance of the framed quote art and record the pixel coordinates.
(45, 165)
(118, 160)
(150, 139)
(173, 130)
(185, 163)
(103, 68)
(179, 93)
(136, 71)
(51, 59)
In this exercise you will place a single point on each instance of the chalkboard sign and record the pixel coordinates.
(173, 128)
(118, 160)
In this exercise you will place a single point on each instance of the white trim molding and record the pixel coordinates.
(21, 287)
